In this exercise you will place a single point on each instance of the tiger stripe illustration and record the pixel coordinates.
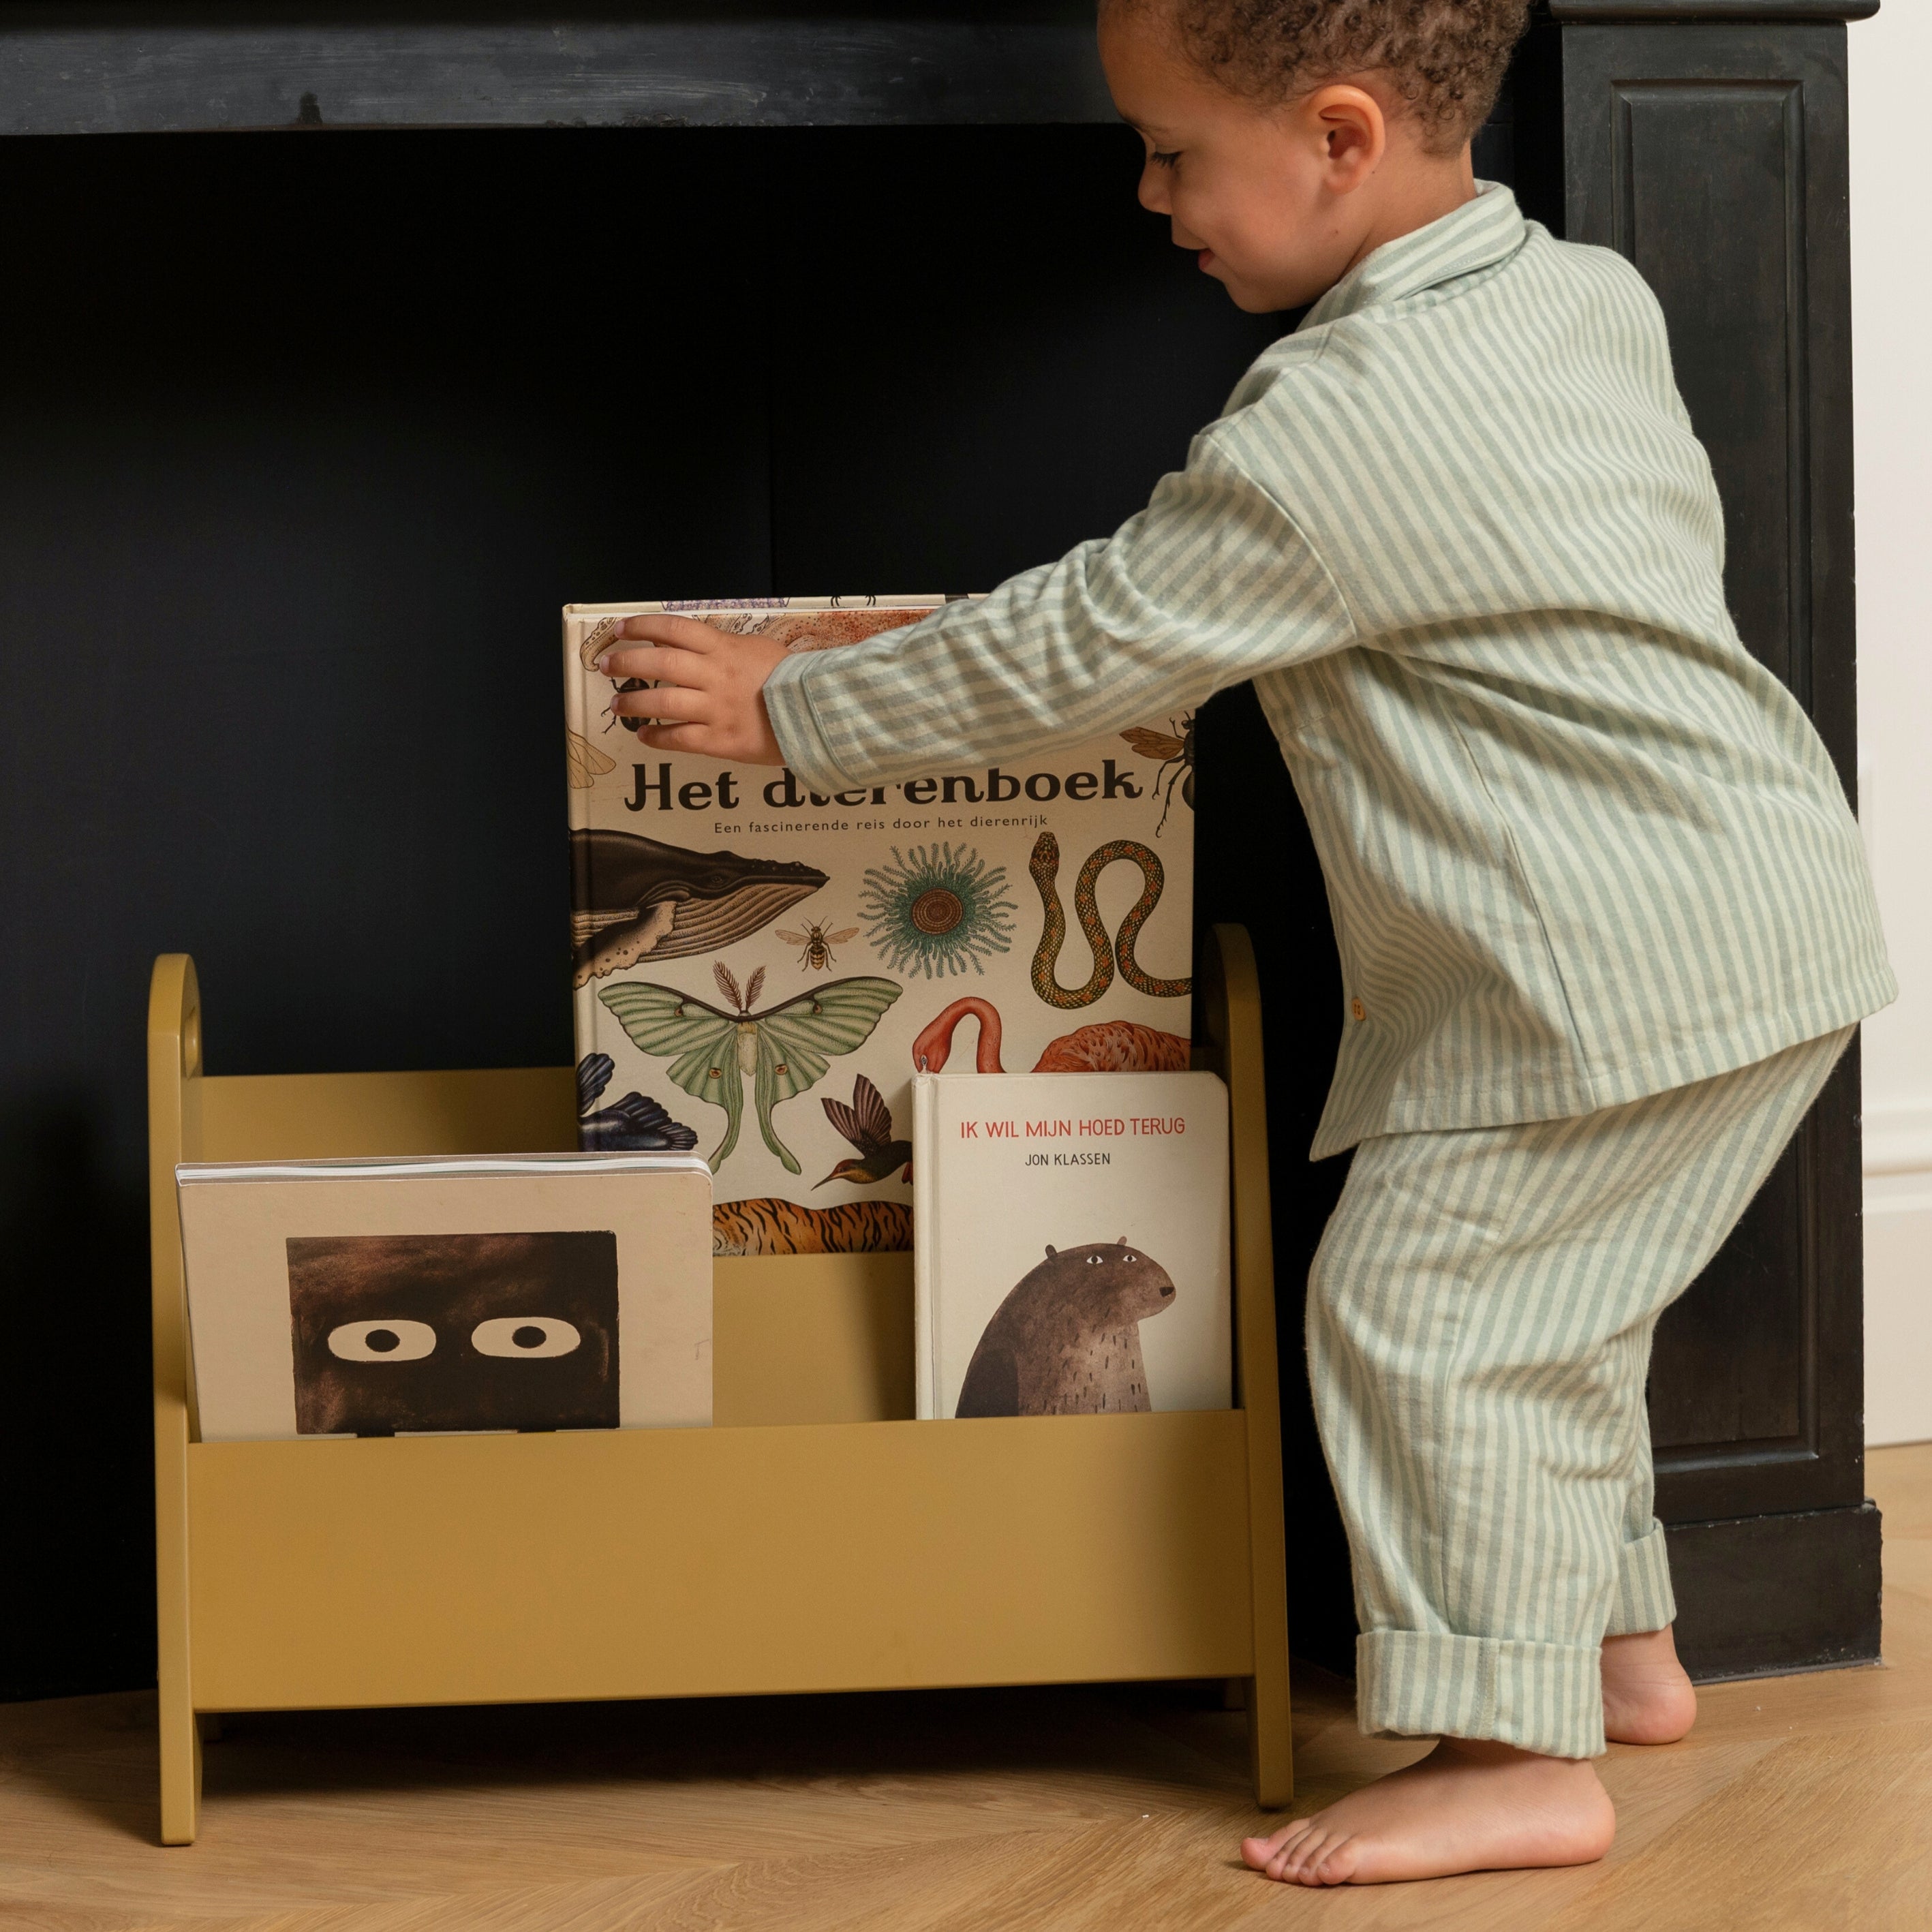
(767, 1226)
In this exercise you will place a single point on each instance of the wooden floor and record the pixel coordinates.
(1803, 1802)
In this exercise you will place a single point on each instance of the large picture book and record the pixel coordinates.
(760, 969)
(427, 1296)
(1072, 1252)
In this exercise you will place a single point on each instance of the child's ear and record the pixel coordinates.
(1353, 131)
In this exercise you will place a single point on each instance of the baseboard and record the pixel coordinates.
(1898, 1309)
(1760, 1596)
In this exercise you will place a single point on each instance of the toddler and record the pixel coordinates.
(1604, 922)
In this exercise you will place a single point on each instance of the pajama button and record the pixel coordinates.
(1360, 1011)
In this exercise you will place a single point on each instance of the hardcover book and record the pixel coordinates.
(429, 1296)
(1071, 1254)
(761, 969)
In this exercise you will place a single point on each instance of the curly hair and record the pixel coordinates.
(1445, 58)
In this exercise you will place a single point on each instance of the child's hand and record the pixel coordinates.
(710, 693)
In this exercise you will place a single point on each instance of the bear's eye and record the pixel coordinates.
(1129, 1258)
(525, 1335)
(1094, 1261)
(381, 1341)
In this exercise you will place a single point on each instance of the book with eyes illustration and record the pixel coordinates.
(434, 1296)
(761, 969)
(1071, 1253)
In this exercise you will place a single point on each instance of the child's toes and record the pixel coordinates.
(1301, 1858)
(1336, 1865)
(1261, 1853)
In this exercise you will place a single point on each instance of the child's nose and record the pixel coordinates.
(1153, 190)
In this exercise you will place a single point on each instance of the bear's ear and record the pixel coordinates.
(1122, 1242)
(1051, 1251)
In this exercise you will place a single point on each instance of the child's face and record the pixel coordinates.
(1266, 194)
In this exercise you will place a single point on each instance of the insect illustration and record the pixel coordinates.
(868, 1124)
(784, 1050)
(587, 764)
(1171, 748)
(631, 724)
(817, 944)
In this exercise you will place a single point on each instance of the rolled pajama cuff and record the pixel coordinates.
(1545, 1697)
(1644, 1601)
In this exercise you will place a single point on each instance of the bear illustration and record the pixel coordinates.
(1066, 1341)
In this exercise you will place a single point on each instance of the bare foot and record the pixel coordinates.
(1647, 1700)
(1470, 1805)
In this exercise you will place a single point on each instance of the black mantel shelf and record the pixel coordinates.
(118, 66)
(127, 68)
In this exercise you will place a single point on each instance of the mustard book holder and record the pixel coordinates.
(815, 1538)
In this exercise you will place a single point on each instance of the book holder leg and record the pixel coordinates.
(174, 1076)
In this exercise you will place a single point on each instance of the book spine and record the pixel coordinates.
(584, 1008)
(925, 1243)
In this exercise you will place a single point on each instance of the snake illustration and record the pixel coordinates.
(1044, 867)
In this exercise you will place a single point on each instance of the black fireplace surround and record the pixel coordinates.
(344, 343)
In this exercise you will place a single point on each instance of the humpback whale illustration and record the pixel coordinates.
(632, 899)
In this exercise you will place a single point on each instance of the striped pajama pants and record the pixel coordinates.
(1480, 1316)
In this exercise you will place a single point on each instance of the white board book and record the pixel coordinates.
(437, 1296)
(760, 969)
(1071, 1244)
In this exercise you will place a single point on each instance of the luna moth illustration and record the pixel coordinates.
(786, 1049)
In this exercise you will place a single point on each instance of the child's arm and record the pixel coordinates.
(1209, 584)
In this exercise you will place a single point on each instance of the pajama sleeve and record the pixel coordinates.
(1210, 584)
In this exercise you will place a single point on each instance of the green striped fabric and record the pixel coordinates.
(1480, 1316)
(1580, 845)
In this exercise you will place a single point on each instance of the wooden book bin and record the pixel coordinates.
(815, 1538)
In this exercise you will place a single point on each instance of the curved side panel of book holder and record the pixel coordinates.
(814, 1539)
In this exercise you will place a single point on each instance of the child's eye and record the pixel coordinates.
(1167, 161)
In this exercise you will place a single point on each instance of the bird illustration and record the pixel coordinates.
(1108, 1046)
(637, 1123)
(868, 1124)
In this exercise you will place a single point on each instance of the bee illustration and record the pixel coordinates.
(1171, 748)
(818, 943)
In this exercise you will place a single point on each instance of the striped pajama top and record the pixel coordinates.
(1580, 846)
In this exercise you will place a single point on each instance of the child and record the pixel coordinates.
(1604, 923)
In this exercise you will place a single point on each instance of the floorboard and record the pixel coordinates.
(1797, 1802)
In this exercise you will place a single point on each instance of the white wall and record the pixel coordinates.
(1891, 293)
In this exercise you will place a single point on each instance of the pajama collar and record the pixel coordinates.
(1479, 235)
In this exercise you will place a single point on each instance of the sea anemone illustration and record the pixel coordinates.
(937, 911)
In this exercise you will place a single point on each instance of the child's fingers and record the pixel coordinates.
(694, 738)
(668, 701)
(683, 633)
(662, 664)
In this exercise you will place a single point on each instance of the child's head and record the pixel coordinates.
(1286, 138)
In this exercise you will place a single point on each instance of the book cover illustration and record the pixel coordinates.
(764, 969)
(1072, 1255)
(453, 1331)
(437, 1296)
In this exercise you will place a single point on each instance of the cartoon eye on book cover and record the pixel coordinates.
(1072, 1252)
(761, 969)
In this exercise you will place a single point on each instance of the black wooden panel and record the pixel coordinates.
(1760, 1596)
(1709, 183)
(124, 66)
(1713, 157)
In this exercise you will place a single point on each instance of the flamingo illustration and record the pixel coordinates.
(1108, 1046)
